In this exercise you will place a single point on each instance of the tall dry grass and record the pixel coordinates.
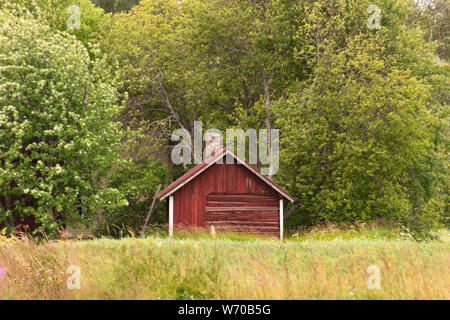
(202, 268)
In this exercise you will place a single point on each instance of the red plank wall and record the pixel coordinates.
(230, 186)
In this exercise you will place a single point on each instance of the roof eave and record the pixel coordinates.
(164, 194)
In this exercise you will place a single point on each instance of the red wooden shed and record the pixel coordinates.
(227, 192)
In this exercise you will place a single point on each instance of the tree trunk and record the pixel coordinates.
(150, 211)
(291, 210)
(268, 120)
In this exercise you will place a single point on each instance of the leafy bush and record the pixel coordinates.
(138, 182)
(358, 141)
(58, 130)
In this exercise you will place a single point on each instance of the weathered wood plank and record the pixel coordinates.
(240, 209)
(240, 197)
(243, 223)
(262, 203)
(247, 228)
(263, 216)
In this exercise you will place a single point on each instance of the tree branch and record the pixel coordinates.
(291, 210)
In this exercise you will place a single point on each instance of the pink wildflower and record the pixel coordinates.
(2, 274)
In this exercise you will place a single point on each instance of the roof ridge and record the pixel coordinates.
(206, 163)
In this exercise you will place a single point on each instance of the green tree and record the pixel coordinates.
(164, 78)
(59, 14)
(358, 140)
(252, 54)
(433, 17)
(58, 131)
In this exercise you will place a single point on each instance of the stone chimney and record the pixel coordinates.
(213, 144)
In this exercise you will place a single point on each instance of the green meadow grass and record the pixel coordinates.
(314, 265)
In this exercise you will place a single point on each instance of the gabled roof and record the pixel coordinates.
(205, 164)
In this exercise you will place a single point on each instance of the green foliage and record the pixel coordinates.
(433, 18)
(363, 114)
(58, 129)
(156, 67)
(245, 45)
(93, 22)
(137, 181)
(358, 139)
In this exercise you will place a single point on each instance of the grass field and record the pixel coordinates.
(318, 265)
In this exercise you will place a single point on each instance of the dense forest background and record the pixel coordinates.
(91, 92)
